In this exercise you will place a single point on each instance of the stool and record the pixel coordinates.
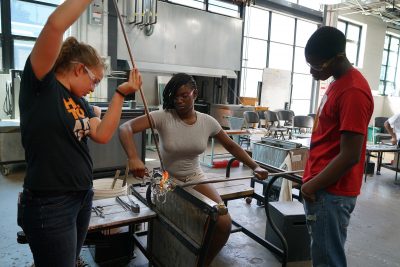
(290, 219)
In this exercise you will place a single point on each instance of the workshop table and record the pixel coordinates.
(111, 215)
(115, 215)
(380, 149)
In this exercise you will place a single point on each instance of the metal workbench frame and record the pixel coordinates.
(198, 250)
(282, 253)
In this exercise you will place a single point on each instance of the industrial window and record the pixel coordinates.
(353, 39)
(25, 20)
(255, 47)
(191, 3)
(307, 3)
(54, 2)
(389, 78)
(276, 41)
(302, 81)
(223, 8)
(28, 19)
(22, 49)
(215, 6)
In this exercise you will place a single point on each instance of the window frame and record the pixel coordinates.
(6, 36)
(238, 10)
(206, 7)
(293, 46)
(358, 43)
(298, 2)
(387, 50)
(199, 1)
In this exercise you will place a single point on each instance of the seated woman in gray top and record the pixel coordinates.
(184, 135)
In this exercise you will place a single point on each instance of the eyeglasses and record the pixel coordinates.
(326, 63)
(92, 77)
(184, 96)
(95, 81)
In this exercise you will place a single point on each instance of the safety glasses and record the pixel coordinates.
(92, 77)
(94, 80)
(325, 64)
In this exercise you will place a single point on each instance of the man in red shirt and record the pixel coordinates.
(333, 174)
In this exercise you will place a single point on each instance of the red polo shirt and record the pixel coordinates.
(346, 106)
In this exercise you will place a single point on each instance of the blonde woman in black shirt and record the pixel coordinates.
(56, 121)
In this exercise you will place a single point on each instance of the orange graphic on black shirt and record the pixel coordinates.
(74, 109)
(82, 126)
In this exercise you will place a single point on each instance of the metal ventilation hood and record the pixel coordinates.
(387, 10)
(197, 71)
(123, 67)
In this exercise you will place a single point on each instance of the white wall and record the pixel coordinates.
(373, 50)
(96, 36)
(379, 102)
(385, 106)
(391, 106)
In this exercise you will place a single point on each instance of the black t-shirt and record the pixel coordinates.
(54, 129)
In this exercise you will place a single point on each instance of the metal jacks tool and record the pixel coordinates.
(133, 206)
(99, 211)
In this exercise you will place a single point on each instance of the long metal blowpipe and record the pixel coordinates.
(146, 109)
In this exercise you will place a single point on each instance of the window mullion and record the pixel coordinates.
(397, 62)
(293, 59)
(358, 45)
(6, 35)
(387, 65)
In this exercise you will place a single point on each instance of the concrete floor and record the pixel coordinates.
(373, 235)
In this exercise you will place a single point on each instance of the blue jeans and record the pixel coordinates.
(327, 222)
(55, 226)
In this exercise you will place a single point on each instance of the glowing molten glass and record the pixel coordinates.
(164, 179)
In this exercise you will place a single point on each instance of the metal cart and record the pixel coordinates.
(11, 150)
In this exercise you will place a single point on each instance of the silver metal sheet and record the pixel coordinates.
(187, 37)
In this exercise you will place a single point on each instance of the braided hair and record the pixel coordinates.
(173, 85)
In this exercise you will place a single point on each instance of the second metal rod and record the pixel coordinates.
(227, 179)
